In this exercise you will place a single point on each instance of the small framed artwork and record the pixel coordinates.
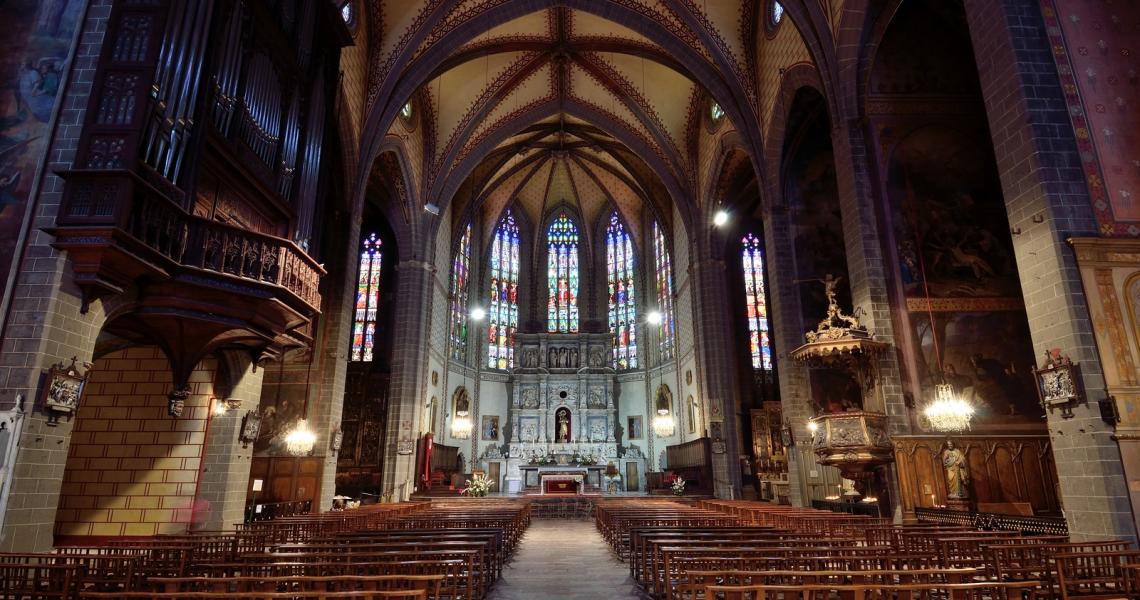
(62, 392)
(250, 428)
(634, 427)
(1058, 384)
(490, 428)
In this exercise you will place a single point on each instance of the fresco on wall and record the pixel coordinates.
(33, 57)
(1094, 45)
(951, 229)
(986, 356)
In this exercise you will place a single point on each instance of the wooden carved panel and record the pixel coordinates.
(1003, 470)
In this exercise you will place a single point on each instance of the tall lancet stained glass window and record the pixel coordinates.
(367, 299)
(623, 312)
(562, 275)
(667, 330)
(460, 267)
(503, 309)
(759, 345)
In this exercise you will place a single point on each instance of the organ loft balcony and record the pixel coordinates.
(195, 283)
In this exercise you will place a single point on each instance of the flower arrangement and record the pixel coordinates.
(477, 487)
(676, 482)
(584, 458)
(678, 486)
(539, 458)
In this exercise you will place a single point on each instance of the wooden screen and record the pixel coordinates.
(1005, 471)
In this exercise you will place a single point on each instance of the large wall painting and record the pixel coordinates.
(956, 267)
(34, 51)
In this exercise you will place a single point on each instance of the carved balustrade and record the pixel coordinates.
(133, 218)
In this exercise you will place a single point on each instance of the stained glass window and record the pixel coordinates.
(406, 110)
(759, 345)
(460, 267)
(777, 13)
(562, 275)
(623, 312)
(367, 298)
(503, 309)
(667, 330)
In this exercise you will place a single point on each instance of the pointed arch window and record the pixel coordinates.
(367, 298)
(623, 309)
(752, 255)
(503, 308)
(460, 268)
(562, 276)
(667, 330)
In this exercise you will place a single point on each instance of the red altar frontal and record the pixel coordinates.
(562, 482)
(559, 486)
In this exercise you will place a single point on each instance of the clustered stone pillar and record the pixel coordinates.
(409, 351)
(1047, 201)
(711, 317)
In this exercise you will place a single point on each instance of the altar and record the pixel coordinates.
(573, 478)
(562, 483)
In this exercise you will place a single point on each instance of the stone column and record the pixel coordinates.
(409, 351)
(225, 459)
(787, 335)
(712, 319)
(1047, 200)
(866, 267)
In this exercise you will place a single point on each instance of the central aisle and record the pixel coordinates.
(564, 560)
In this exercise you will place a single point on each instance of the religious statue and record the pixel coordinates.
(563, 427)
(957, 472)
(836, 324)
(530, 359)
(596, 356)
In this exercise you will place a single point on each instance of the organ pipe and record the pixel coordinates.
(174, 92)
(226, 78)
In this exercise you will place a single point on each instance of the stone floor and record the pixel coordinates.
(564, 559)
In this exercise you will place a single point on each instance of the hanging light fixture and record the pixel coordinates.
(301, 440)
(663, 423)
(461, 427)
(948, 412)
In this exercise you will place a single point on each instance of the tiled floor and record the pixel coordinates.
(564, 559)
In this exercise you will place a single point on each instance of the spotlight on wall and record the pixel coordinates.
(720, 219)
(478, 314)
(654, 317)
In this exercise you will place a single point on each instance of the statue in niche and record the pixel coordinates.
(552, 358)
(564, 358)
(530, 359)
(529, 432)
(957, 471)
(596, 356)
(596, 400)
(574, 357)
(563, 418)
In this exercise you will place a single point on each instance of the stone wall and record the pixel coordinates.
(131, 468)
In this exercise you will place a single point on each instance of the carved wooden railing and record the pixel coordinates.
(122, 200)
(1042, 525)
